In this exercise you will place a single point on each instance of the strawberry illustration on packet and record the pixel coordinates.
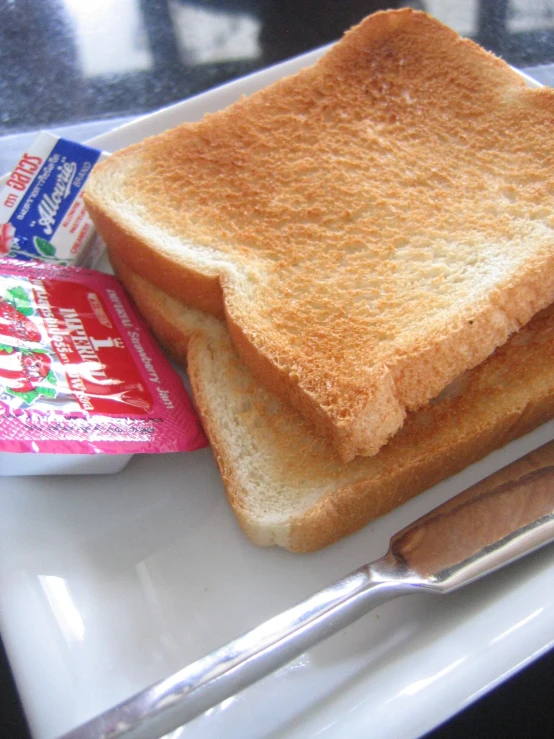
(25, 371)
(15, 322)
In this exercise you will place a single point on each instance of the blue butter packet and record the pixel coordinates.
(42, 212)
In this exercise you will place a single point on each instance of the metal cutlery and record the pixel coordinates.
(491, 524)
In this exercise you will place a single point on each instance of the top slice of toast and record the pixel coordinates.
(370, 227)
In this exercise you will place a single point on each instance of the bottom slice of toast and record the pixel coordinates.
(286, 485)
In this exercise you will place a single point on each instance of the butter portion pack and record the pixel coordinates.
(42, 213)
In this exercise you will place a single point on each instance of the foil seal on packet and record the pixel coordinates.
(80, 372)
(42, 211)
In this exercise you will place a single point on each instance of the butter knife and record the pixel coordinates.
(493, 523)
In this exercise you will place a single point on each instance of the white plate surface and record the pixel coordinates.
(109, 583)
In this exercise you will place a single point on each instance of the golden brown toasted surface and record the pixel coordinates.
(378, 222)
(286, 485)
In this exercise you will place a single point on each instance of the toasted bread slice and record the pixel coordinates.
(286, 485)
(370, 227)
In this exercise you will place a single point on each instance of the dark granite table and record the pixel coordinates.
(81, 68)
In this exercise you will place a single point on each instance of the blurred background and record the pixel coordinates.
(64, 61)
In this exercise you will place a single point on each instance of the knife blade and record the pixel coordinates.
(491, 524)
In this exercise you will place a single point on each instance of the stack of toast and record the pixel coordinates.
(357, 266)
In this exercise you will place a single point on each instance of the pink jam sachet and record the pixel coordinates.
(80, 372)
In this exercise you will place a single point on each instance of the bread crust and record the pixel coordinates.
(203, 290)
(336, 517)
(508, 395)
(471, 174)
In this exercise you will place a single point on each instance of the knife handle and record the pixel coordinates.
(489, 525)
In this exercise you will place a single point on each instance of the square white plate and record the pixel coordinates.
(109, 583)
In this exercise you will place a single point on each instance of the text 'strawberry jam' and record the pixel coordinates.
(42, 212)
(80, 372)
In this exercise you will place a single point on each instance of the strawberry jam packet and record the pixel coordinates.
(80, 374)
